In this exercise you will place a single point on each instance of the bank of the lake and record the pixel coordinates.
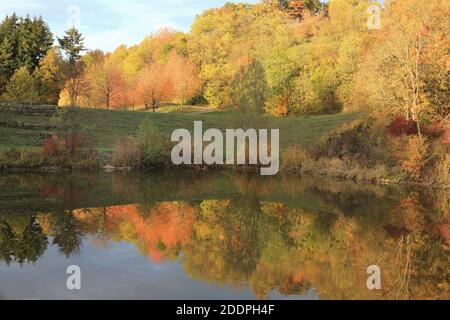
(341, 147)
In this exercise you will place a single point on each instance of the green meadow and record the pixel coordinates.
(105, 128)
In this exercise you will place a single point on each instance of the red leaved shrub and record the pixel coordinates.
(402, 126)
(52, 146)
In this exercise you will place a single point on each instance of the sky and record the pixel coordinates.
(106, 24)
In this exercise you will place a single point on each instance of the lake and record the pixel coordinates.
(221, 235)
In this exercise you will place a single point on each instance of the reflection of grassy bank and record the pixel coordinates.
(76, 190)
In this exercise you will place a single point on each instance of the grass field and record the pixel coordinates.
(104, 128)
(185, 109)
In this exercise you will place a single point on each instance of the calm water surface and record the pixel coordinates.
(188, 235)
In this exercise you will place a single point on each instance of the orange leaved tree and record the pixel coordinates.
(184, 74)
(154, 85)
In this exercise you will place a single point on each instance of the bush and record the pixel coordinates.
(127, 153)
(156, 156)
(148, 134)
(88, 160)
(359, 141)
(445, 139)
(437, 168)
(413, 155)
(197, 100)
(72, 151)
(32, 159)
(295, 159)
(442, 171)
(154, 146)
(76, 143)
(25, 159)
(22, 87)
(12, 155)
(401, 126)
(52, 146)
(434, 130)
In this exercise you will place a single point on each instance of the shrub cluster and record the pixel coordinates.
(72, 151)
(367, 151)
(150, 148)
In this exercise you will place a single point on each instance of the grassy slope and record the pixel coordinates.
(106, 127)
(186, 109)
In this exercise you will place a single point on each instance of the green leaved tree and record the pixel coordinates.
(22, 87)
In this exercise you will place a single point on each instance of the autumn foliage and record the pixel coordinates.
(154, 85)
(168, 225)
(401, 126)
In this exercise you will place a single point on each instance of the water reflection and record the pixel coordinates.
(283, 235)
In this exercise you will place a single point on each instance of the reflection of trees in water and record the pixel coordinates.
(158, 231)
(242, 245)
(248, 240)
(68, 235)
(403, 267)
(24, 247)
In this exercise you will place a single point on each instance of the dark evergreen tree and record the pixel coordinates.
(24, 42)
(72, 44)
(8, 48)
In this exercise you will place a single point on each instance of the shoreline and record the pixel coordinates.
(243, 169)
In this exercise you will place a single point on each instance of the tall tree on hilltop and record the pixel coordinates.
(73, 45)
(35, 39)
(8, 48)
